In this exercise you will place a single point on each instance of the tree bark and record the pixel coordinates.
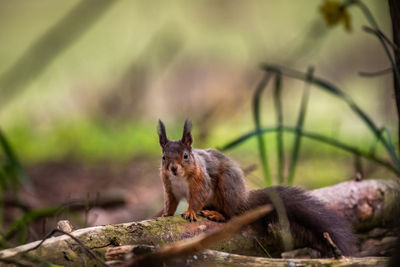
(218, 258)
(368, 204)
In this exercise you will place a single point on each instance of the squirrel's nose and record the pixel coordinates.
(173, 169)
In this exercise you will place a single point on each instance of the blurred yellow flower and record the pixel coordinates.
(335, 13)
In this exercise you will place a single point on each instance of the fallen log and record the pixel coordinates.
(222, 259)
(367, 204)
(120, 255)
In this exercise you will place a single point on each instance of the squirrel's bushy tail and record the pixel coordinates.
(308, 218)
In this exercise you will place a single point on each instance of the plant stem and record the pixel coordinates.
(299, 127)
(316, 137)
(257, 121)
(394, 7)
(279, 119)
(394, 11)
(339, 93)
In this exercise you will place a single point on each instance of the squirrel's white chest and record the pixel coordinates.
(180, 187)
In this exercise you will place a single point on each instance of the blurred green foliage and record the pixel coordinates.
(87, 140)
(11, 172)
(333, 13)
(98, 94)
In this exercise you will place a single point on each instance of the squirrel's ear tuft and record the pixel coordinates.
(162, 135)
(187, 138)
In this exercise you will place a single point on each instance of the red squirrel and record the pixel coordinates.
(214, 187)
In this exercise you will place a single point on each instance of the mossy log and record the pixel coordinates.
(348, 198)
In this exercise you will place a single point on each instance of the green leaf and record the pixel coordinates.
(11, 169)
(19, 226)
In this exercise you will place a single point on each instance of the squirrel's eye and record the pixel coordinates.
(163, 157)
(185, 156)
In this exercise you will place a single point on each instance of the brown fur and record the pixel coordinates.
(198, 194)
(214, 186)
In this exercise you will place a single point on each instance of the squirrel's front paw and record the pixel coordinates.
(189, 215)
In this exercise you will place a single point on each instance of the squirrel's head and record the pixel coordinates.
(177, 156)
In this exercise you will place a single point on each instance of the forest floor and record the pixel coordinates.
(95, 194)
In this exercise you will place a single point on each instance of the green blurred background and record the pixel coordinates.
(86, 82)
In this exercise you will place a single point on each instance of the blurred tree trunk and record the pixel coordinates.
(394, 6)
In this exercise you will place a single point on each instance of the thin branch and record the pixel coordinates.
(381, 34)
(376, 73)
(364, 9)
(85, 248)
(263, 248)
(336, 251)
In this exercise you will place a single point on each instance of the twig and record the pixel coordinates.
(358, 169)
(381, 34)
(86, 249)
(336, 251)
(263, 248)
(376, 73)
